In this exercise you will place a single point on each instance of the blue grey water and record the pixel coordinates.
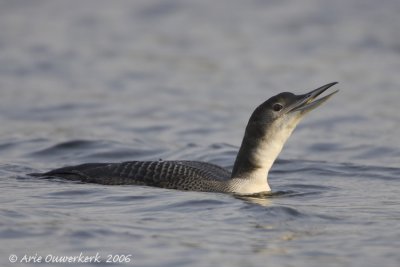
(111, 81)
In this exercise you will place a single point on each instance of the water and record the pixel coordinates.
(109, 81)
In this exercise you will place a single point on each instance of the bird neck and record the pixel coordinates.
(260, 147)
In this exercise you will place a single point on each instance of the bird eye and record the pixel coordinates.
(277, 107)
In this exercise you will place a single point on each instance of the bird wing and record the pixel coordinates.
(167, 174)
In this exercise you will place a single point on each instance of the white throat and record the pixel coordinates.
(255, 158)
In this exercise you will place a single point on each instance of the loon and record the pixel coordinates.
(268, 128)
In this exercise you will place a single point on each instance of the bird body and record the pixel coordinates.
(269, 127)
(199, 176)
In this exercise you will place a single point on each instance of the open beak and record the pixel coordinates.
(307, 102)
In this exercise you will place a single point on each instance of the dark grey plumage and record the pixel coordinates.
(183, 175)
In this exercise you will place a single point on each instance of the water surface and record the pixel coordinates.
(114, 81)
